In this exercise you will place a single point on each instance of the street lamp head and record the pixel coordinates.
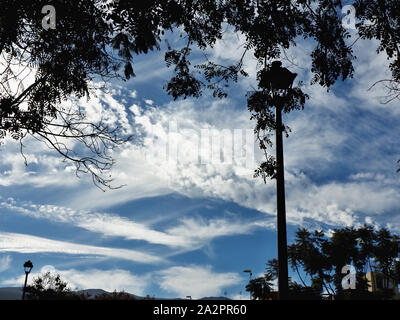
(248, 271)
(276, 64)
(28, 266)
(277, 77)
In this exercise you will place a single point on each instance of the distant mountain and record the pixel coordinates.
(92, 292)
(214, 298)
(96, 292)
(11, 293)
(15, 293)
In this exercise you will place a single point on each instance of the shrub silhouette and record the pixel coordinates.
(50, 287)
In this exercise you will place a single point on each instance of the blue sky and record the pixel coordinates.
(186, 223)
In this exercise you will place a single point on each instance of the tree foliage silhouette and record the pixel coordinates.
(384, 26)
(262, 288)
(116, 295)
(50, 287)
(318, 260)
(41, 69)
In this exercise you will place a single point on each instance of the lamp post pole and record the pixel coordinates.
(26, 280)
(27, 267)
(283, 277)
(280, 79)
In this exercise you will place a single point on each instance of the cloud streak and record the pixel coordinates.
(22, 243)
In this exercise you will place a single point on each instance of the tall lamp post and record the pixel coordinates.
(250, 274)
(279, 80)
(27, 267)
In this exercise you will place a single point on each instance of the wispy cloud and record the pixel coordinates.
(22, 243)
(201, 231)
(188, 233)
(5, 262)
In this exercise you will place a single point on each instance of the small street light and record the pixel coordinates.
(250, 274)
(27, 268)
(248, 271)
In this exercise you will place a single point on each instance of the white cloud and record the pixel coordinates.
(195, 281)
(135, 109)
(153, 173)
(5, 263)
(369, 69)
(44, 168)
(109, 280)
(22, 243)
(133, 94)
(340, 203)
(201, 231)
(151, 68)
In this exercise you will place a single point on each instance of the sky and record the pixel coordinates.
(191, 216)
